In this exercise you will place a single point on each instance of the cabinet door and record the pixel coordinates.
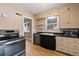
(68, 23)
(73, 46)
(64, 17)
(76, 18)
(65, 44)
(75, 14)
(67, 17)
(68, 45)
(53, 12)
(41, 25)
(62, 44)
(63, 9)
(58, 43)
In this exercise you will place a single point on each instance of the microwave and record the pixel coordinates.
(71, 33)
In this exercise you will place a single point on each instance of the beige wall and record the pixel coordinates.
(14, 21)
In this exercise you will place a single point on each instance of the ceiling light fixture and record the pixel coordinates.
(43, 4)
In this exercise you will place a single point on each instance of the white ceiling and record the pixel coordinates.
(36, 8)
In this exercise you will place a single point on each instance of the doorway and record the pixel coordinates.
(27, 28)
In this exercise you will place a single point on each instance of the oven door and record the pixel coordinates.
(15, 48)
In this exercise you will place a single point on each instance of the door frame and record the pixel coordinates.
(31, 25)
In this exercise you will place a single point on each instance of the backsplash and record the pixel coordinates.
(52, 31)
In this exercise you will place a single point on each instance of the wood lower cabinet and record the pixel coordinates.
(73, 46)
(62, 44)
(68, 45)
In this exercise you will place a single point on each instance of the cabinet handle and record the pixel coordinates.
(75, 52)
(74, 46)
(61, 48)
(67, 50)
(68, 9)
(68, 22)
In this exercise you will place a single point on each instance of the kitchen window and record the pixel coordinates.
(52, 22)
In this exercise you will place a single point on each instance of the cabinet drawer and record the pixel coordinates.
(73, 43)
(64, 45)
(73, 51)
(74, 46)
(76, 41)
(59, 48)
(62, 49)
(59, 45)
(58, 41)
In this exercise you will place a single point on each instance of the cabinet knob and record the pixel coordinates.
(75, 52)
(68, 9)
(74, 46)
(67, 50)
(68, 22)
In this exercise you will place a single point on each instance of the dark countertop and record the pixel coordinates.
(59, 35)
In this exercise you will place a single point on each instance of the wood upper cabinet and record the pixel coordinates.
(68, 16)
(53, 12)
(41, 25)
(75, 14)
(47, 13)
(41, 22)
(38, 16)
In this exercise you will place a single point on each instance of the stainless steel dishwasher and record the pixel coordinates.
(36, 39)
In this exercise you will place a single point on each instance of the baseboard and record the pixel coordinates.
(65, 53)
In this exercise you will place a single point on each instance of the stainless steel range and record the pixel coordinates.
(11, 43)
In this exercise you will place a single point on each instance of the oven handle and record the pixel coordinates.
(15, 41)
